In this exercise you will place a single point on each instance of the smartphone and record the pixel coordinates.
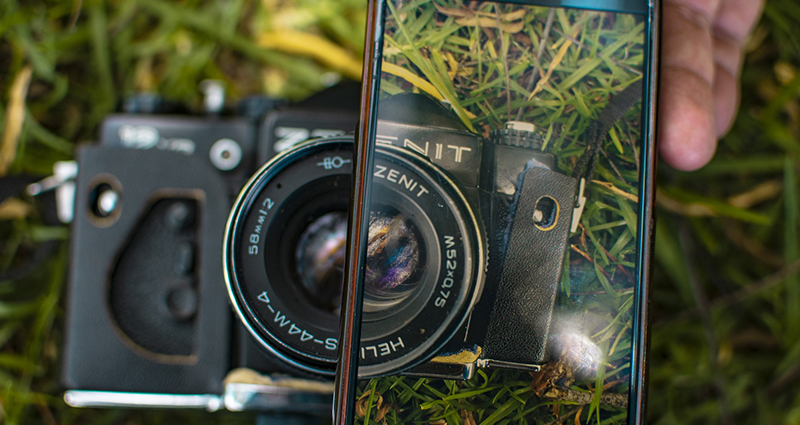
(501, 216)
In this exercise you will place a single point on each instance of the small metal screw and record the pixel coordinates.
(225, 154)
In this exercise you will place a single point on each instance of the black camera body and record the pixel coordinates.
(521, 214)
(472, 229)
(148, 321)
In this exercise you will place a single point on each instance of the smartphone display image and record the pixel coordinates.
(501, 219)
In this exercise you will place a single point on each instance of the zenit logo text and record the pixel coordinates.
(394, 176)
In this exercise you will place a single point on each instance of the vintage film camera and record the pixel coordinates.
(148, 320)
(456, 221)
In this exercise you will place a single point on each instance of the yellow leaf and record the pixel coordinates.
(554, 64)
(461, 13)
(617, 191)
(306, 44)
(510, 27)
(492, 51)
(615, 139)
(12, 209)
(452, 65)
(411, 78)
(15, 116)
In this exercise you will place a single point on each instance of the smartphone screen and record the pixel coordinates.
(501, 218)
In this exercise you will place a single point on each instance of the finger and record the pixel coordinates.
(687, 125)
(705, 8)
(727, 54)
(686, 40)
(728, 60)
(687, 121)
(726, 100)
(736, 18)
(733, 23)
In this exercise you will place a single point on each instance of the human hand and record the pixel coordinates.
(701, 59)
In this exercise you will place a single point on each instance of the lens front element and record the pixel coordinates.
(319, 260)
(394, 255)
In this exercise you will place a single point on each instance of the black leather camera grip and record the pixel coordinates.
(531, 268)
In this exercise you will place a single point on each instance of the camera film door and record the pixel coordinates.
(499, 240)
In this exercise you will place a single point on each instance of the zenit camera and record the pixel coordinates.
(148, 319)
(467, 238)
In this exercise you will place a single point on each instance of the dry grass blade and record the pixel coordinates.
(553, 65)
(15, 116)
(617, 191)
(745, 293)
(690, 210)
(14, 209)
(763, 192)
(509, 27)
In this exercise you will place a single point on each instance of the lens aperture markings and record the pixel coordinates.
(333, 163)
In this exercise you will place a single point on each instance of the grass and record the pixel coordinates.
(725, 334)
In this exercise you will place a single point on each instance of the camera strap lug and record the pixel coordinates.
(580, 204)
(63, 181)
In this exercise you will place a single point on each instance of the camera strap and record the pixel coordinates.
(597, 131)
(613, 112)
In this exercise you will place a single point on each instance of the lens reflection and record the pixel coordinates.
(319, 260)
(393, 256)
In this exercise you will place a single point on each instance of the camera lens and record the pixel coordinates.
(284, 255)
(395, 257)
(319, 260)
